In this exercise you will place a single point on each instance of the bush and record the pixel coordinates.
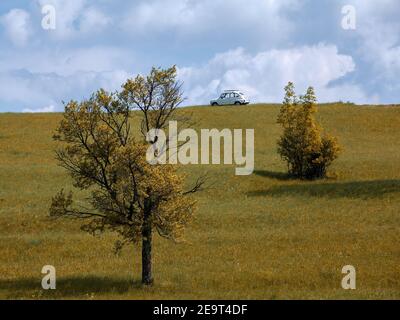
(308, 155)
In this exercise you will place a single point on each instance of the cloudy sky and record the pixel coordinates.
(255, 45)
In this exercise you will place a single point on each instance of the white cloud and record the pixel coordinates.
(378, 26)
(40, 110)
(382, 47)
(93, 20)
(187, 17)
(17, 26)
(263, 76)
(67, 61)
(34, 90)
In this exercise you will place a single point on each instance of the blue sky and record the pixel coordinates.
(256, 46)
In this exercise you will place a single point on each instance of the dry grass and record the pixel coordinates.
(257, 237)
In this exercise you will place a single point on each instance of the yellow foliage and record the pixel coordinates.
(307, 153)
(102, 156)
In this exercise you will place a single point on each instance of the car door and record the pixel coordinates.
(222, 99)
(230, 98)
(236, 98)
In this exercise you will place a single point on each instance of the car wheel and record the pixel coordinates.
(214, 104)
(237, 103)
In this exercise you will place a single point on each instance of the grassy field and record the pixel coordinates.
(257, 237)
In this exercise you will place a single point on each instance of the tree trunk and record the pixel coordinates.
(147, 278)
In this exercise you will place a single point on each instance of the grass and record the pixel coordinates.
(263, 236)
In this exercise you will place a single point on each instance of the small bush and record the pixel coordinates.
(307, 153)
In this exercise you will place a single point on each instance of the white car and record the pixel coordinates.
(230, 97)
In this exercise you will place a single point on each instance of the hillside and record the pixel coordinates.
(261, 236)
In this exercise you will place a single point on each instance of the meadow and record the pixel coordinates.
(263, 236)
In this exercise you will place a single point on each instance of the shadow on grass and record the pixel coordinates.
(353, 189)
(68, 287)
(273, 175)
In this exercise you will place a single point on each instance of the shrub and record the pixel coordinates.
(307, 153)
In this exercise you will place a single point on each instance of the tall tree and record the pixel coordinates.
(127, 195)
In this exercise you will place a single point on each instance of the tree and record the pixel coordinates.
(127, 194)
(307, 153)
